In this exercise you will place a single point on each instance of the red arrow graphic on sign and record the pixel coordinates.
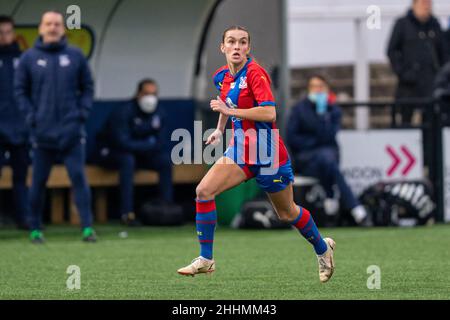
(395, 160)
(411, 160)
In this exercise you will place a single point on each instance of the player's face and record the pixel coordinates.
(7, 35)
(52, 27)
(235, 46)
(317, 86)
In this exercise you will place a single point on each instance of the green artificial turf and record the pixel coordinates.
(279, 264)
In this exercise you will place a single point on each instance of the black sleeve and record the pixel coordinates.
(442, 83)
(86, 86)
(442, 48)
(394, 50)
(22, 91)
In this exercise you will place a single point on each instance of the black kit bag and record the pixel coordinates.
(402, 203)
(258, 214)
(160, 213)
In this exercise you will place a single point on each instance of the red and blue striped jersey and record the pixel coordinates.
(255, 143)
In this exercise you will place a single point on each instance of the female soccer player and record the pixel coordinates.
(246, 97)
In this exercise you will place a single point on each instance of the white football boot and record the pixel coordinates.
(198, 265)
(326, 261)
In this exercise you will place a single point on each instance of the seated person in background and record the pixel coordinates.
(442, 92)
(131, 138)
(311, 136)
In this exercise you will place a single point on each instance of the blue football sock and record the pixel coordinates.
(308, 229)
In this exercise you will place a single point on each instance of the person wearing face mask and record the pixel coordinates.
(311, 136)
(133, 137)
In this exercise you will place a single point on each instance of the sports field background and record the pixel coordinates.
(270, 264)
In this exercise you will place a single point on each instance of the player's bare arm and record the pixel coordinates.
(262, 114)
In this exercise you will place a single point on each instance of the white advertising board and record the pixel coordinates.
(371, 156)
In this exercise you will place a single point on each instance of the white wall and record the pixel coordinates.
(155, 39)
(321, 32)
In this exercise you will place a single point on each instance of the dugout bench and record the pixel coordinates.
(99, 179)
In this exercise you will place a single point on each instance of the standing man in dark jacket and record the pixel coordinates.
(311, 136)
(13, 133)
(54, 88)
(416, 51)
(133, 137)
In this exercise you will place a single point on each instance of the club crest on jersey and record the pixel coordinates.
(243, 83)
(41, 63)
(156, 122)
(64, 60)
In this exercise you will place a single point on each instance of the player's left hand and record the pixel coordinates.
(218, 105)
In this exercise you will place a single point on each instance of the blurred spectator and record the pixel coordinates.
(133, 138)
(13, 133)
(311, 136)
(416, 51)
(54, 88)
(442, 92)
(447, 39)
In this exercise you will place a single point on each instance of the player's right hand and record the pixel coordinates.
(214, 137)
